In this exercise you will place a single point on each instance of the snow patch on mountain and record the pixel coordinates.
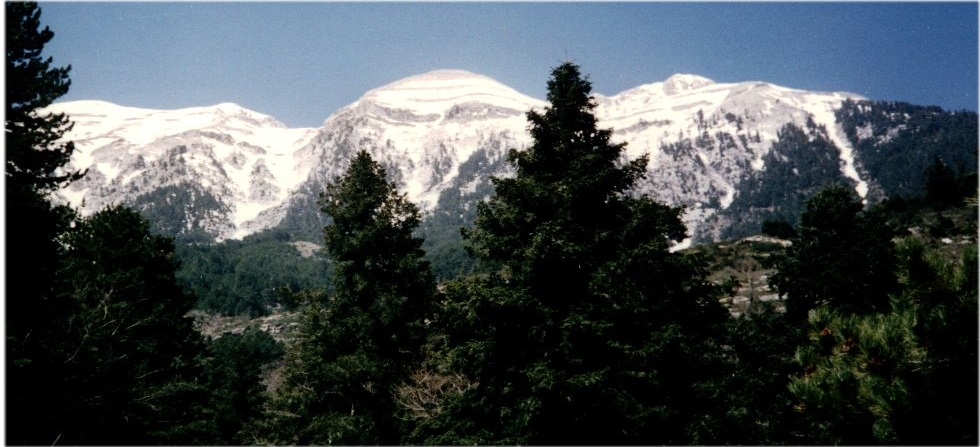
(825, 116)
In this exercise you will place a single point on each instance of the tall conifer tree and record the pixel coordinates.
(34, 160)
(134, 359)
(568, 339)
(34, 153)
(842, 256)
(364, 340)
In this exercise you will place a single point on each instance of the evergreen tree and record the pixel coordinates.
(906, 375)
(235, 368)
(589, 330)
(842, 255)
(941, 188)
(904, 139)
(134, 364)
(34, 160)
(752, 403)
(364, 340)
(34, 154)
(778, 229)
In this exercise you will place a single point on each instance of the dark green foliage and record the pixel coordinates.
(778, 228)
(332, 390)
(379, 264)
(588, 330)
(941, 187)
(298, 411)
(894, 141)
(907, 375)
(34, 154)
(842, 256)
(941, 210)
(37, 312)
(133, 368)
(36, 318)
(444, 247)
(899, 372)
(456, 210)
(364, 340)
(750, 385)
(235, 369)
(802, 162)
(247, 277)
(945, 289)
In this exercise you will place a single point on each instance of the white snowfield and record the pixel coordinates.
(423, 128)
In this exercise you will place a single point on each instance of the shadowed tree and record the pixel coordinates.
(941, 188)
(235, 370)
(589, 330)
(366, 338)
(904, 375)
(134, 359)
(34, 166)
(842, 256)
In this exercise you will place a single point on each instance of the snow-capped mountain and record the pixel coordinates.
(696, 107)
(208, 169)
(422, 129)
(225, 172)
(705, 138)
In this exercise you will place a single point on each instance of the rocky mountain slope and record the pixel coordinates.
(718, 149)
(208, 171)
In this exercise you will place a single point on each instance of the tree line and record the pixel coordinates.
(579, 325)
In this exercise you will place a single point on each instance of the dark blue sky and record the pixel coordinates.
(300, 62)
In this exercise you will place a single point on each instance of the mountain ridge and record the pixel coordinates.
(441, 135)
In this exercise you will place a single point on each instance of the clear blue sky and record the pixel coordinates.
(300, 62)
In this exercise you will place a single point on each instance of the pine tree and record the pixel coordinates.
(35, 157)
(842, 256)
(35, 154)
(135, 359)
(364, 340)
(568, 339)
(904, 375)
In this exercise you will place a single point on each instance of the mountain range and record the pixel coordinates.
(732, 154)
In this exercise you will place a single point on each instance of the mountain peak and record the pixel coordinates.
(438, 90)
(229, 108)
(443, 75)
(681, 82)
(221, 113)
(225, 109)
(440, 80)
